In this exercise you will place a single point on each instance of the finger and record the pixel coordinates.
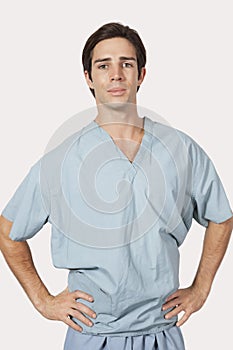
(83, 308)
(173, 295)
(72, 324)
(83, 295)
(174, 312)
(173, 303)
(183, 319)
(78, 315)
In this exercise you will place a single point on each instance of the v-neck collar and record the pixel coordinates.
(142, 148)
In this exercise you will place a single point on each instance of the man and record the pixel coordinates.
(121, 250)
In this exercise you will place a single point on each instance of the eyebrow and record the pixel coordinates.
(122, 58)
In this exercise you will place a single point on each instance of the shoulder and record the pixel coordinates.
(166, 132)
(178, 142)
(60, 145)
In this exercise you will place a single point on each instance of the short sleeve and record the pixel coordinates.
(210, 200)
(26, 207)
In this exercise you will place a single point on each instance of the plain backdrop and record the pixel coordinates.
(188, 82)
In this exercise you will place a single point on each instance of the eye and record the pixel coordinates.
(103, 66)
(127, 65)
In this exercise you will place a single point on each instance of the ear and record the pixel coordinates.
(88, 80)
(142, 76)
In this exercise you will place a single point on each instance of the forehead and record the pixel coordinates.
(114, 47)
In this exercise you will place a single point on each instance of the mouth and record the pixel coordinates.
(117, 91)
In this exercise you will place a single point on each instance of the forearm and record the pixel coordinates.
(191, 299)
(214, 247)
(18, 257)
(59, 307)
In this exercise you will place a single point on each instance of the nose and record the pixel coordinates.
(116, 74)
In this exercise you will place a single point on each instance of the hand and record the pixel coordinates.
(187, 300)
(64, 305)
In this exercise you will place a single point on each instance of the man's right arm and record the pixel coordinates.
(19, 258)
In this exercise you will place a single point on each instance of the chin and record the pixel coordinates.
(119, 104)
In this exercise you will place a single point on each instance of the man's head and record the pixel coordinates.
(126, 41)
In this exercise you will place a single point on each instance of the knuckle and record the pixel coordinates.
(77, 293)
(84, 311)
(77, 315)
(88, 311)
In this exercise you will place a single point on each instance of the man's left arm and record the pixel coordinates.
(191, 299)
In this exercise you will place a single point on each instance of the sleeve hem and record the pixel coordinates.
(222, 219)
(6, 216)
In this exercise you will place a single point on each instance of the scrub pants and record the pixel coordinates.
(169, 339)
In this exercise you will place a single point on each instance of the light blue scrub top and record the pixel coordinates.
(117, 225)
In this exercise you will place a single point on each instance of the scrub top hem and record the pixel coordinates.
(154, 330)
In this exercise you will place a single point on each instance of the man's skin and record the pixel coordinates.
(18, 256)
(114, 78)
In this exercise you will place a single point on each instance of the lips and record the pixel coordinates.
(117, 91)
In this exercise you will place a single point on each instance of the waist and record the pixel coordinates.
(127, 310)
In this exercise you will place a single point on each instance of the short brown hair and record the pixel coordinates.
(108, 31)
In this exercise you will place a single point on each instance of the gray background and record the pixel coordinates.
(189, 83)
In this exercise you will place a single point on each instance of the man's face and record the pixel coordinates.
(114, 72)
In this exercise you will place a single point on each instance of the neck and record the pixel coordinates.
(120, 120)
